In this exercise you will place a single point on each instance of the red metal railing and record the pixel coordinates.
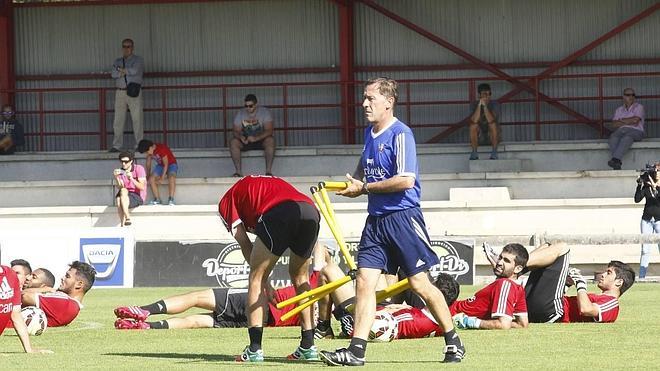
(345, 128)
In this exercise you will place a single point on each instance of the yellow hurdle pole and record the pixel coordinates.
(334, 227)
(387, 292)
(335, 186)
(332, 286)
(319, 291)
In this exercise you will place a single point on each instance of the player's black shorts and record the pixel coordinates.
(289, 225)
(231, 308)
(544, 291)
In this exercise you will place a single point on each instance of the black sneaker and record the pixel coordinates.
(614, 163)
(454, 353)
(324, 334)
(341, 357)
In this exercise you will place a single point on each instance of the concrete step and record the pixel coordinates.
(499, 166)
(435, 187)
(324, 161)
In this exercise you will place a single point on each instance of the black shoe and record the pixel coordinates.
(324, 334)
(341, 357)
(614, 163)
(113, 149)
(454, 353)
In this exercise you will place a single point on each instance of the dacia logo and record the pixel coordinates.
(450, 262)
(229, 268)
(103, 257)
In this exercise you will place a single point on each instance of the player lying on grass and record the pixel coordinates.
(550, 274)
(62, 305)
(501, 304)
(414, 320)
(227, 305)
(10, 308)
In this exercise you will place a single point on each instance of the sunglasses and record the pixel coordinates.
(7, 112)
(125, 161)
(127, 46)
(629, 95)
(249, 105)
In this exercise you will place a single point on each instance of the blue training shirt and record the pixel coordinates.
(386, 154)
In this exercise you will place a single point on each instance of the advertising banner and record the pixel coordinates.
(221, 264)
(108, 250)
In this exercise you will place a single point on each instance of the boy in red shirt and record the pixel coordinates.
(166, 166)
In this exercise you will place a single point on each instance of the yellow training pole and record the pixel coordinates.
(327, 288)
(335, 186)
(387, 292)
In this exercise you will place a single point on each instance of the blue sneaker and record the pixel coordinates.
(474, 155)
(155, 201)
(493, 155)
(311, 354)
(250, 356)
(171, 201)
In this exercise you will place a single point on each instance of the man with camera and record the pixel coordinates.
(127, 71)
(131, 180)
(647, 188)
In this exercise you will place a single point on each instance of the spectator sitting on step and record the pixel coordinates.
(484, 122)
(11, 131)
(627, 126)
(165, 166)
(132, 183)
(253, 129)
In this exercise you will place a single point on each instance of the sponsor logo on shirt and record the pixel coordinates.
(6, 291)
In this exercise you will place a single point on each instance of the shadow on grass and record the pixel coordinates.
(232, 358)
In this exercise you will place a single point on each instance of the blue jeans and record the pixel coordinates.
(647, 227)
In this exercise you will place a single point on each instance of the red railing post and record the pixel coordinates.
(408, 122)
(41, 121)
(163, 94)
(102, 131)
(537, 110)
(285, 114)
(600, 105)
(225, 133)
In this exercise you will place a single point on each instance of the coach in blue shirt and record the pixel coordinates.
(395, 234)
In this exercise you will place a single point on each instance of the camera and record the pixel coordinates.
(648, 174)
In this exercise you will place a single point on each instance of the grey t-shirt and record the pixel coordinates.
(493, 107)
(253, 125)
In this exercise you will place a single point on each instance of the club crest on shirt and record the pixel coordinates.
(381, 147)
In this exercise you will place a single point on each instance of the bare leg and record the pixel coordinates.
(494, 134)
(433, 298)
(235, 150)
(203, 299)
(194, 321)
(120, 212)
(171, 181)
(262, 262)
(123, 204)
(545, 255)
(474, 136)
(154, 186)
(365, 304)
(298, 270)
(269, 153)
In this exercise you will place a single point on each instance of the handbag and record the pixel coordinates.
(133, 88)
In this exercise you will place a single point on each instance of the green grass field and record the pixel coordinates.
(91, 342)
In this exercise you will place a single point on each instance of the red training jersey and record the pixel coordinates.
(415, 323)
(608, 309)
(10, 295)
(60, 308)
(287, 293)
(252, 196)
(161, 152)
(502, 298)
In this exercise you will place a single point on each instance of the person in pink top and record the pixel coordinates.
(627, 126)
(131, 180)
